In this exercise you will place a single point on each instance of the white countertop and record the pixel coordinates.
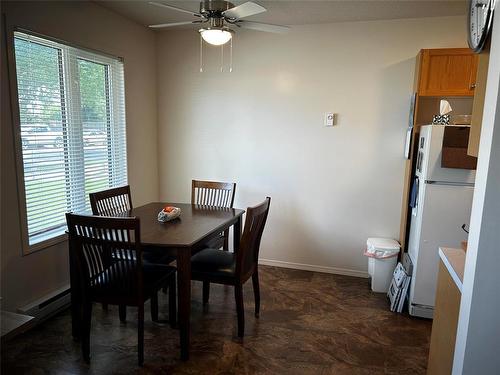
(454, 261)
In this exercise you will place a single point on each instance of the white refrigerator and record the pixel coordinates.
(441, 204)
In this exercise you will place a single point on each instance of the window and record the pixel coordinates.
(72, 131)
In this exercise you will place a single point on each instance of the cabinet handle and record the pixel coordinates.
(473, 86)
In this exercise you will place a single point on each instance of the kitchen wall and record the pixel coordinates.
(262, 127)
(24, 279)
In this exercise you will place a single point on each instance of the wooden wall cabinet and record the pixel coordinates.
(447, 72)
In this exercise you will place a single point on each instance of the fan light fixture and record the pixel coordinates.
(217, 15)
(216, 36)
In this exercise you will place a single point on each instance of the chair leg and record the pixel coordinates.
(122, 310)
(206, 292)
(238, 295)
(256, 292)
(172, 302)
(105, 306)
(154, 307)
(86, 323)
(140, 334)
(226, 240)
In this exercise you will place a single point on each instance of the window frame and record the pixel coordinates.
(84, 54)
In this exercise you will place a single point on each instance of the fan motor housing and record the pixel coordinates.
(215, 7)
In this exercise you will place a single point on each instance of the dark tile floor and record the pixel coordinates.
(310, 323)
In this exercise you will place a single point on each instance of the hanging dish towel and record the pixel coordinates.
(414, 193)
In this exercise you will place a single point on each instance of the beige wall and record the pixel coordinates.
(28, 278)
(262, 126)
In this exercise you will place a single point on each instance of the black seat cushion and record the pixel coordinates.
(119, 281)
(213, 263)
(217, 242)
(152, 258)
(155, 255)
(155, 275)
(152, 255)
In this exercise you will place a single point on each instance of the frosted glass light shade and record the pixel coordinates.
(216, 37)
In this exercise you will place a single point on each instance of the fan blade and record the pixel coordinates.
(162, 25)
(266, 27)
(175, 8)
(244, 10)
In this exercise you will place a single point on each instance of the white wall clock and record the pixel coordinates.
(480, 17)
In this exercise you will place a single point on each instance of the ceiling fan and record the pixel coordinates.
(217, 16)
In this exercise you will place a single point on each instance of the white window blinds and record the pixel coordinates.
(72, 125)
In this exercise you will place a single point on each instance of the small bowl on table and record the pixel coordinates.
(169, 213)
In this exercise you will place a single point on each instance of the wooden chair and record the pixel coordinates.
(115, 202)
(221, 267)
(111, 202)
(106, 254)
(219, 194)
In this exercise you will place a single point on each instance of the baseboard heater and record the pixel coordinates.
(48, 305)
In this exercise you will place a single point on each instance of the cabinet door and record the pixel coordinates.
(448, 72)
(444, 326)
(478, 105)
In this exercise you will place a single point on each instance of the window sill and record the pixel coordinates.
(46, 240)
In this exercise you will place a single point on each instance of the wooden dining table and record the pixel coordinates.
(181, 237)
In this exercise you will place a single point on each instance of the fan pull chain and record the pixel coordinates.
(201, 54)
(222, 58)
(231, 56)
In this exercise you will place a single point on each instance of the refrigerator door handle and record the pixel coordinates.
(448, 183)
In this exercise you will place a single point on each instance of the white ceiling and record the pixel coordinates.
(299, 12)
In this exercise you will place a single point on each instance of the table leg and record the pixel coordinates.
(237, 234)
(184, 298)
(75, 297)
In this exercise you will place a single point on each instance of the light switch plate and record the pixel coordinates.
(329, 119)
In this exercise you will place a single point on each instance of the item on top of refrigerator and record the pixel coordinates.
(441, 120)
(444, 107)
(460, 119)
(168, 213)
(454, 153)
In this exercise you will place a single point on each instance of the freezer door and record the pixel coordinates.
(445, 208)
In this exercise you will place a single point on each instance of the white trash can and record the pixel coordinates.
(382, 256)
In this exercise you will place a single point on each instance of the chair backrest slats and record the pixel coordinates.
(107, 253)
(111, 202)
(210, 193)
(248, 253)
